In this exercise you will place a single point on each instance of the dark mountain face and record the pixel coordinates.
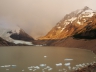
(21, 36)
(76, 22)
(86, 35)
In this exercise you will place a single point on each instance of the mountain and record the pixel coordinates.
(5, 43)
(81, 22)
(22, 35)
(75, 30)
(15, 36)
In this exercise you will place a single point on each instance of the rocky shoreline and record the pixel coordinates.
(89, 68)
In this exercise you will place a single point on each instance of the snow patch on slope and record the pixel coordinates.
(22, 42)
(62, 29)
(59, 27)
(88, 13)
(66, 22)
(72, 19)
(79, 22)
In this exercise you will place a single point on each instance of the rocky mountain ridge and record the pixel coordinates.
(73, 33)
(76, 22)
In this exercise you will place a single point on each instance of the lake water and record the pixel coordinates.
(43, 59)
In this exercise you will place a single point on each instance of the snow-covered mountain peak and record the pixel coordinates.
(72, 23)
(78, 14)
(6, 34)
(10, 28)
(86, 8)
(16, 30)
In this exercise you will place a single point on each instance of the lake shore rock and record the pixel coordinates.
(89, 68)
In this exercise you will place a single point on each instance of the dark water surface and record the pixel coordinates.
(43, 59)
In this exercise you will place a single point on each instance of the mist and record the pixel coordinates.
(37, 17)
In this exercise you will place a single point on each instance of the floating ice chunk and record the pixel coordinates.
(67, 64)
(80, 65)
(64, 69)
(7, 65)
(22, 70)
(60, 70)
(77, 65)
(37, 67)
(49, 69)
(59, 64)
(14, 65)
(91, 63)
(30, 69)
(43, 71)
(42, 65)
(69, 67)
(45, 56)
(2, 66)
(32, 66)
(34, 70)
(74, 68)
(68, 59)
(83, 64)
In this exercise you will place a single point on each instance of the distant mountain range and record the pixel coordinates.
(80, 23)
(77, 29)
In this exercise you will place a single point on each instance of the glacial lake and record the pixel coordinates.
(43, 59)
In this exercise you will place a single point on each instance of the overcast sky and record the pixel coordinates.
(37, 17)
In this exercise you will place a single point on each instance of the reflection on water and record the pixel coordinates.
(44, 59)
